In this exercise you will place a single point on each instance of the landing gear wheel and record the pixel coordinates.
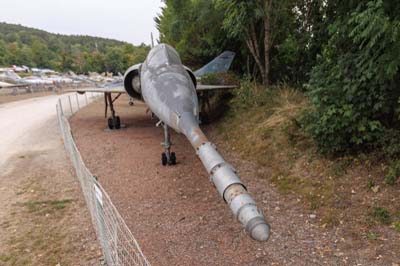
(173, 158)
(110, 123)
(164, 159)
(204, 118)
(117, 122)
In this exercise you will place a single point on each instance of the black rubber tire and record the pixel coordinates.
(110, 123)
(173, 158)
(117, 122)
(164, 159)
(204, 118)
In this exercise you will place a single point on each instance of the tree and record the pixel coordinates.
(41, 54)
(114, 60)
(194, 28)
(354, 86)
(260, 23)
(241, 21)
(35, 48)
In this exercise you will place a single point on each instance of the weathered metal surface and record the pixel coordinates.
(169, 91)
(219, 64)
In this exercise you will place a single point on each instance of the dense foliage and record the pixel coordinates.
(355, 85)
(194, 28)
(275, 41)
(36, 48)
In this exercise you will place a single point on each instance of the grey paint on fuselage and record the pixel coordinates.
(168, 89)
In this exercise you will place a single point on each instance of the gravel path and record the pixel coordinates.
(176, 214)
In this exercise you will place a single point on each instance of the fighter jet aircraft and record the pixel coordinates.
(11, 76)
(9, 85)
(170, 90)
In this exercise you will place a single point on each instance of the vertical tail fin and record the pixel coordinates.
(219, 64)
(13, 76)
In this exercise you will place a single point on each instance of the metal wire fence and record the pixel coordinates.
(118, 244)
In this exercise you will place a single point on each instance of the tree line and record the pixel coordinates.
(345, 55)
(21, 45)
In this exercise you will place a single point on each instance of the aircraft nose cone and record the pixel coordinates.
(260, 232)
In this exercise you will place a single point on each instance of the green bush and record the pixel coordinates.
(250, 95)
(227, 78)
(354, 87)
(382, 215)
(393, 173)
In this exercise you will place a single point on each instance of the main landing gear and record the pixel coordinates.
(205, 107)
(113, 122)
(167, 157)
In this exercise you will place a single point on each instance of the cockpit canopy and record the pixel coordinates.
(163, 54)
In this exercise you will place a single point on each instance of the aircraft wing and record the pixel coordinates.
(202, 87)
(100, 90)
(109, 88)
(9, 86)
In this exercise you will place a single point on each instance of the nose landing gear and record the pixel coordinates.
(167, 157)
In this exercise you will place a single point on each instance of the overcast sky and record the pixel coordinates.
(126, 20)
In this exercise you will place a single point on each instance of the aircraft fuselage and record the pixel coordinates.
(168, 89)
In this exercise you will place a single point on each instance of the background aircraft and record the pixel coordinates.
(170, 91)
(10, 76)
(9, 85)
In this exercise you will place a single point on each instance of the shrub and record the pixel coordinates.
(250, 95)
(354, 86)
(393, 173)
(382, 215)
(228, 78)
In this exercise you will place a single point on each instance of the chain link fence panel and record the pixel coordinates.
(118, 243)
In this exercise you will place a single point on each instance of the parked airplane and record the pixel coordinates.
(9, 85)
(170, 91)
(11, 76)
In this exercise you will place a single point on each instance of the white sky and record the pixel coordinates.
(125, 20)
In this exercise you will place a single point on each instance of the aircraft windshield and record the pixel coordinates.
(156, 59)
(173, 57)
(163, 55)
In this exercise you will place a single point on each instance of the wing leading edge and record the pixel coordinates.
(109, 88)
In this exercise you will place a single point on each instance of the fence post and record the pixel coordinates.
(61, 108)
(70, 104)
(77, 100)
(116, 243)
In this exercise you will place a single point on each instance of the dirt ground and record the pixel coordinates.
(178, 218)
(43, 217)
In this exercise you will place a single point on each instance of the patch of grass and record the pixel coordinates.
(372, 236)
(381, 215)
(46, 206)
(287, 184)
(397, 226)
(393, 173)
(339, 168)
(5, 258)
(330, 218)
(314, 201)
(371, 184)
